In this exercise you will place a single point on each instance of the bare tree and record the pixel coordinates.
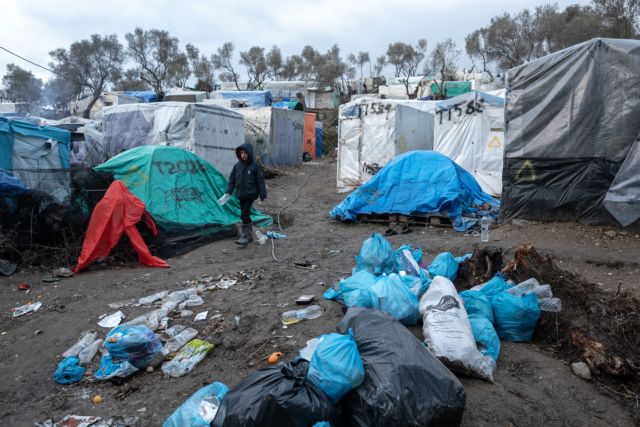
(179, 70)
(256, 63)
(406, 59)
(275, 63)
(381, 62)
(444, 59)
(157, 56)
(475, 47)
(202, 68)
(291, 67)
(92, 64)
(223, 60)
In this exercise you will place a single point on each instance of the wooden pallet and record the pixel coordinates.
(435, 220)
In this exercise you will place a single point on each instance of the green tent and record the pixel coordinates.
(451, 89)
(179, 189)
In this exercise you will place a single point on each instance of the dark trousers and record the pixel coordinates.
(245, 210)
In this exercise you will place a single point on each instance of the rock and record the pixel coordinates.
(582, 370)
(611, 234)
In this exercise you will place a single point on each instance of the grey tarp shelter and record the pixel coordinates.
(571, 120)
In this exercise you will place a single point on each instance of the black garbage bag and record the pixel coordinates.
(277, 396)
(404, 384)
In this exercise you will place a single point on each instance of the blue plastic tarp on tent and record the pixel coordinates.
(255, 98)
(419, 183)
(143, 95)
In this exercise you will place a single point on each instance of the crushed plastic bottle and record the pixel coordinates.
(484, 228)
(294, 316)
(224, 199)
(87, 353)
(26, 309)
(187, 358)
(85, 339)
(178, 341)
(531, 286)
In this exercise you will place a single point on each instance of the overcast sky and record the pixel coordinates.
(32, 28)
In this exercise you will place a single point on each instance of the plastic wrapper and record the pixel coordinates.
(187, 358)
(87, 354)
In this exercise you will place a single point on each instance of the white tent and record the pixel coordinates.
(373, 131)
(210, 131)
(469, 129)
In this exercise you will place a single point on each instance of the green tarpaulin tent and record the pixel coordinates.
(451, 89)
(179, 189)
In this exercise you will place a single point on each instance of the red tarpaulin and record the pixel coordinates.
(118, 212)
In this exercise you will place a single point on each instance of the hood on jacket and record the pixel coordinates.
(248, 148)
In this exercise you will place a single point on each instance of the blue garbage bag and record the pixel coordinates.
(376, 256)
(200, 409)
(136, 344)
(494, 286)
(476, 303)
(444, 265)
(69, 371)
(354, 290)
(336, 367)
(480, 311)
(485, 336)
(515, 317)
(110, 368)
(396, 299)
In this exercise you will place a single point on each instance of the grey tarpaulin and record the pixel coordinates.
(623, 197)
(571, 119)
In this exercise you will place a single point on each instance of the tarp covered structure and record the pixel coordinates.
(117, 213)
(419, 183)
(210, 131)
(468, 129)
(255, 98)
(39, 156)
(179, 189)
(571, 120)
(276, 134)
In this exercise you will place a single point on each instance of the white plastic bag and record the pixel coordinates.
(447, 331)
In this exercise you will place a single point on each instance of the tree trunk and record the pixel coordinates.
(87, 112)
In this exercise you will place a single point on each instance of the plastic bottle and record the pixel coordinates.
(87, 353)
(85, 339)
(294, 316)
(224, 199)
(177, 342)
(484, 228)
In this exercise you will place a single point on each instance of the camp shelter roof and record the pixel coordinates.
(255, 98)
(142, 95)
(417, 183)
(179, 189)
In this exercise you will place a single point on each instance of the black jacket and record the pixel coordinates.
(246, 177)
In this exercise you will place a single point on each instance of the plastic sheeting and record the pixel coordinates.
(417, 183)
(255, 98)
(623, 197)
(117, 213)
(179, 189)
(469, 129)
(210, 131)
(277, 135)
(571, 119)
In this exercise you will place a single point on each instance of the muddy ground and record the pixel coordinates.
(532, 387)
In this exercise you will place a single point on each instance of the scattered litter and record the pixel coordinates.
(187, 358)
(294, 316)
(135, 344)
(62, 272)
(216, 316)
(88, 353)
(236, 320)
(274, 357)
(177, 341)
(201, 316)
(200, 409)
(112, 320)
(186, 313)
(261, 239)
(163, 323)
(24, 287)
(192, 301)
(85, 339)
(305, 299)
(225, 283)
(97, 399)
(50, 278)
(69, 371)
(26, 309)
(71, 421)
(117, 305)
(153, 298)
(114, 369)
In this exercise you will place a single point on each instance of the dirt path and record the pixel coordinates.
(531, 387)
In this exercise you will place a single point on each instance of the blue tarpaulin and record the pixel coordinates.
(255, 98)
(142, 95)
(419, 183)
